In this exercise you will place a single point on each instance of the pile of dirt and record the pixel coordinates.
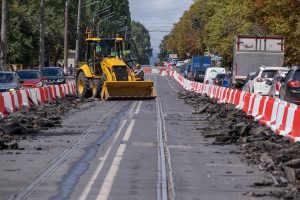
(258, 144)
(29, 121)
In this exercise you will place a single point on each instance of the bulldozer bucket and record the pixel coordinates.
(128, 90)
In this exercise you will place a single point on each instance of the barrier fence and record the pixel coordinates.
(15, 100)
(281, 116)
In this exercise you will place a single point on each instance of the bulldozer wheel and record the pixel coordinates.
(82, 84)
(97, 88)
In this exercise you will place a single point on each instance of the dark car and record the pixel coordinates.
(31, 78)
(9, 81)
(53, 75)
(290, 89)
(218, 80)
(198, 76)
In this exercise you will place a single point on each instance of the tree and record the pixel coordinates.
(212, 24)
(141, 37)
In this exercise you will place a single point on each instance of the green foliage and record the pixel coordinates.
(141, 37)
(212, 24)
(24, 21)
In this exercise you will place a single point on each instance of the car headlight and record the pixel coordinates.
(12, 89)
(39, 84)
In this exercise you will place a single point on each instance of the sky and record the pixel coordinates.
(158, 16)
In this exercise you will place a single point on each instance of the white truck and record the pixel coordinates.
(251, 52)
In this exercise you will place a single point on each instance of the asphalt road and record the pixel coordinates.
(128, 150)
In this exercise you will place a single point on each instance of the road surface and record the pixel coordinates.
(131, 150)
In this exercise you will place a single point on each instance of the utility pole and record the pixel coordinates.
(78, 34)
(66, 38)
(42, 35)
(3, 54)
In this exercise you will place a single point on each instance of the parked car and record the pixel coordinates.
(211, 73)
(218, 80)
(248, 82)
(258, 84)
(197, 76)
(9, 81)
(31, 78)
(290, 89)
(179, 64)
(53, 75)
(276, 83)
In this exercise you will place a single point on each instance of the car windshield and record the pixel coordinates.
(52, 72)
(220, 76)
(268, 73)
(8, 78)
(297, 75)
(29, 74)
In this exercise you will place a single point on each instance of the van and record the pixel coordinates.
(211, 73)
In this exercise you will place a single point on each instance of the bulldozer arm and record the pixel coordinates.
(128, 90)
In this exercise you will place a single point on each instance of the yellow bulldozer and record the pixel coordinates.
(107, 72)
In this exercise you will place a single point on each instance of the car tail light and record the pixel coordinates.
(277, 86)
(294, 84)
(259, 80)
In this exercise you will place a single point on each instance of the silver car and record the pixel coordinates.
(247, 87)
(9, 81)
(276, 83)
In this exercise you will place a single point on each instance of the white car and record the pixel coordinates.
(211, 73)
(180, 63)
(258, 84)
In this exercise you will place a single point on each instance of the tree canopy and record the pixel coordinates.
(141, 37)
(212, 24)
(24, 18)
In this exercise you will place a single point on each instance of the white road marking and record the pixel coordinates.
(110, 177)
(129, 130)
(131, 110)
(138, 108)
(90, 183)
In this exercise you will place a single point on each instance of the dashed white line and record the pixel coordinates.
(138, 108)
(90, 183)
(110, 177)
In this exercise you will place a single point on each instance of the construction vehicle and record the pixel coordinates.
(107, 72)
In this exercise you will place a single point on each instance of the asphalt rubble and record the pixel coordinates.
(28, 122)
(258, 145)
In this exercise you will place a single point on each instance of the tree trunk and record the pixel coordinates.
(42, 34)
(4, 21)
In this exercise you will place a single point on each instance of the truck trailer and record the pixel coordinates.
(251, 52)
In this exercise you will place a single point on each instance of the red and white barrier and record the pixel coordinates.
(15, 100)
(282, 117)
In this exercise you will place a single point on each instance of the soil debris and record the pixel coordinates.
(29, 121)
(258, 144)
